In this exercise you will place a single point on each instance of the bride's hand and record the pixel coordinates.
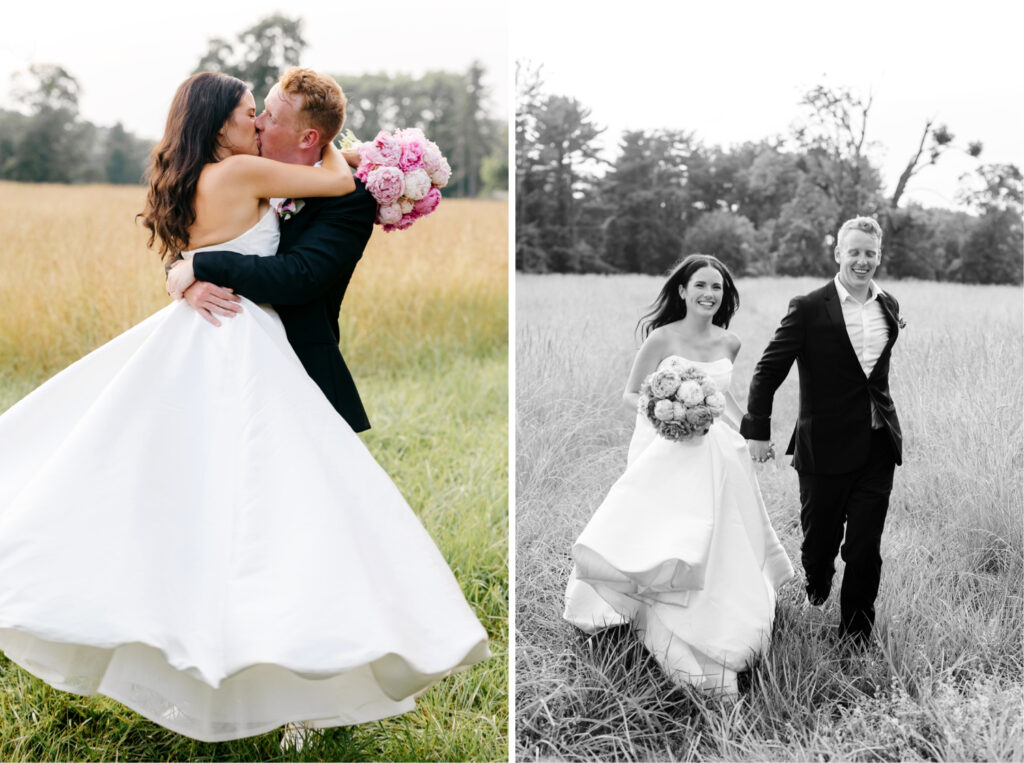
(352, 157)
(180, 278)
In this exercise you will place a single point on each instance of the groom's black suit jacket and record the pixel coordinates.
(833, 427)
(306, 282)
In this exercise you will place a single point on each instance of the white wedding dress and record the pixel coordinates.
(188, 526)
(682, 548)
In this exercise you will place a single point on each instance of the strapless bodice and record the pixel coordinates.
(261, 239)
(720, 369)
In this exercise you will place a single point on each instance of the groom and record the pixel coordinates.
(321, 242)
(847, 440)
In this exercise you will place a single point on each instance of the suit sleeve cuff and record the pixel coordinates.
(756, 429)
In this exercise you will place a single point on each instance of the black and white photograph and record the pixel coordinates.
(768, 338)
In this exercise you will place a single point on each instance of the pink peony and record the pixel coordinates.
(407, 220)
(389, 150)
(411, 134)
(389, 214)
(412, 156)
(386, 184)
(417, 184)
(428, 203)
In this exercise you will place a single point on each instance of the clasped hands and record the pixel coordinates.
(761, 450)
(207, 299)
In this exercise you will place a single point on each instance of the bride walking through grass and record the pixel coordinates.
(682, 548)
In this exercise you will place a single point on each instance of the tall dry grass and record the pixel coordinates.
(425, 331)
(75, 272)
(945, 682)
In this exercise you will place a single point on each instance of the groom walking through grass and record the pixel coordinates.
(847, 441)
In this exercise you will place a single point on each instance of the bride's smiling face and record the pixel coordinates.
(703, 293)
(238, 135)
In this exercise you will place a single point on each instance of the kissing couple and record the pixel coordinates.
(189, 523)
(682, 548)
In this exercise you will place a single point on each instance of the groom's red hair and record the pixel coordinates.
(323, 102)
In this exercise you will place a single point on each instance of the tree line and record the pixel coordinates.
(48, 141)
(768, 207)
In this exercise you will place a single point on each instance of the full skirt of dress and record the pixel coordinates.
(187, 526)
(683, 550)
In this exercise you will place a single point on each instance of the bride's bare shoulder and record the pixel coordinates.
(729, 341)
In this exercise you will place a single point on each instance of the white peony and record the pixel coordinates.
(690, 393)
(417, 184)
(442, 174)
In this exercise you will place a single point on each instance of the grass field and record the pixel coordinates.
(947, 678)
(425, 332)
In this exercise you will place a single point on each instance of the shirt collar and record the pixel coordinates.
(873, 290)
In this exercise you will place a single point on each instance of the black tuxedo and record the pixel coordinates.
(845, 466)
(306, 282)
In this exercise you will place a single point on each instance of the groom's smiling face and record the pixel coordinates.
(858, 255)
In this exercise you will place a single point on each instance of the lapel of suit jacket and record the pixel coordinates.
(297, 223)
(835, 313)
(894, 330)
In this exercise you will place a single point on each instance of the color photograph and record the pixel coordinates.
(254, 383)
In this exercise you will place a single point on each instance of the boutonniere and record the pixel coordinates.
(289, 207)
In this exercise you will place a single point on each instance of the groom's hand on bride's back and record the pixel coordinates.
(210, 300)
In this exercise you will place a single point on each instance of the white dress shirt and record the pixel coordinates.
(868, 330)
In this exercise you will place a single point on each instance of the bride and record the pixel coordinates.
(682, 548)
(266, 573)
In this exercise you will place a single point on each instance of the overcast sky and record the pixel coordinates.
(735, 71)
(129, 57)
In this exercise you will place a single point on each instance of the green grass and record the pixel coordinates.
(946, 678)
(449, 459)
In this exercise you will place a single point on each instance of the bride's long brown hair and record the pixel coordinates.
(200, 108)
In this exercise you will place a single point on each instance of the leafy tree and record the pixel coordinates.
(124, 156)
(494, 170)
(805, 232)
(259, 55)
(996, 186)
(834, 147)
(992, 252)
(906, 245)
(726, 235)
(561, 146)
(648, 201)
(769, 182)
(47, 150)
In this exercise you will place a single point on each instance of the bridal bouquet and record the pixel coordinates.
(405, 173)
(680, 401)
